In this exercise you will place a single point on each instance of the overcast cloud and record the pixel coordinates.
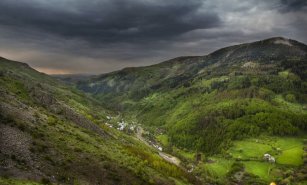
(98, 36)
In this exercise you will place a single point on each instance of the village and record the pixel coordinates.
(132, 128)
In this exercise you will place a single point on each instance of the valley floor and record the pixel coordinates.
(288, 152)
(172, 159)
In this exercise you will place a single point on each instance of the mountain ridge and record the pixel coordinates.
(186, 66)
(247, 66)
(180, 58)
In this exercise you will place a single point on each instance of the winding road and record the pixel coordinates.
(172, 159)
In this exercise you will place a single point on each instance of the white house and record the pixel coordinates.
(266, 156)
(269, 158)
(122, 125)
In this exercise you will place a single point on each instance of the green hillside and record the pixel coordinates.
(238, 91)
(205, 104)
(53, 134)
(190, 120)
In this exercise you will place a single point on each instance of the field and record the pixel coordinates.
(163, 139)
(4, 181)
(249, 149)
(219, 167)
(292, 150)
(261, 169)
(288, 152)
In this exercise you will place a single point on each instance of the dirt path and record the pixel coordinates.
(172, 159)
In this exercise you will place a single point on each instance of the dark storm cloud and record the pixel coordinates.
(292, 5)
(97, 36)
(109, 20)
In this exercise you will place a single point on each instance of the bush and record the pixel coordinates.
(290, 98)
(236, 167)
(45, 181)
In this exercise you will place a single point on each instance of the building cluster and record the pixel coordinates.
(122, 125)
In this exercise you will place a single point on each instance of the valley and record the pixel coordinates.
(165, 156)
(220, 113)
(288, 153)
(235, 116)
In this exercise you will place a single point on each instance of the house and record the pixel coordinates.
(121, 125)
(269, 158)
(266, 156)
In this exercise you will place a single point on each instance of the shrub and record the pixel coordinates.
(45, 181)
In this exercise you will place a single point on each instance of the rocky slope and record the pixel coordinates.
(51, 133)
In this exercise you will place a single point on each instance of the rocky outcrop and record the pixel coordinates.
(81, 120)
(15, 156)
(47, 100)
(15, 143)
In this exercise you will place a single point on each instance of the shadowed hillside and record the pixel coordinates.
(51, 133)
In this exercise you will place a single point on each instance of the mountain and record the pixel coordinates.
(187, 94)
(235, 116)
(183, 69)
(71, 78)
(211, 104)
(51, 133)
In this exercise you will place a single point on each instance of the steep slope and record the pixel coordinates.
(237, 91)
(51, 133)
(136, 83)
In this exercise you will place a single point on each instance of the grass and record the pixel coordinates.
(261, 169)
(71, 150)
(6, 181)
(163, 139)
(16, 87)
(291, 157)
(219, 168)
(249, 149)
(185, 154)
(286, 143)
(286, 150)
(292, 151)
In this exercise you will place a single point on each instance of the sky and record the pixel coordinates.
(100, 36)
